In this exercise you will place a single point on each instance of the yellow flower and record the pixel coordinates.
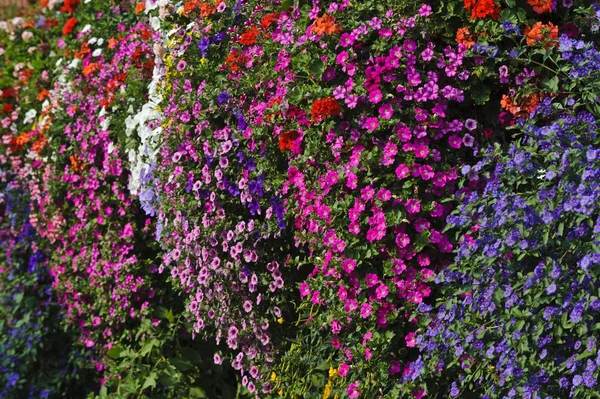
(280, 320)
(273, 376)
(203, 60)
(332, 372)
(280, 393)
(327, 390)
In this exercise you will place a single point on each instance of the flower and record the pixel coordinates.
(69, 26)
(482, 9)
(542, 33)
(325, 107)
(542, 6)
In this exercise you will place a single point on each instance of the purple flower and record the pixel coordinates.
(471, 124)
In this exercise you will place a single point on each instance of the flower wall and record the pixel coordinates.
(309, 199)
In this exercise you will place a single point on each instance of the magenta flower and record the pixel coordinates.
(402, 171)
(425, 10)
(386, 111)
(455, 141)
(412, 206)
(365, 310)
(371, 124)
(343, 369)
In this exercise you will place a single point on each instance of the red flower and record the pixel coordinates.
(69, 6)
(268, 20)
(324, 107)
(286, 139)
(69, 26)
(483, 9)
(542, 6)
(248, 38)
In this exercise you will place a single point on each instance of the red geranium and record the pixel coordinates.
(324, 107)
(482, 9)
(69, 6)
(286, 139)
(69, 26)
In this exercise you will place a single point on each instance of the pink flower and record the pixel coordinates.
(410, 340)
(394, 368)
(335, 342)
(425, 10)
(386, 111)
(96, 321)
(350, 305)
(343, 369)
(371, 279)
(353, 391)
(412, 206)
(349, 265)
(381, 291)
(372, 124)
(89, 343)
(375, 96)
(402, 171)
(455, 141)
(365, 310)
(402, 240)
(304, 289)
(127, 231)
(336, 327)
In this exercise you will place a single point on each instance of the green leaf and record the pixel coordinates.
(552, 84)
(150, 381)
(181, 364)
(114, 352)
(197, 392)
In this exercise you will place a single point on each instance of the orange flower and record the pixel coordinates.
(207, 9)
(464, 37)
(541, 6)
(17, 143)
(542, 33)
(248, 38)
(84, 49)
(69, 26)
(507, 104)
(325, 26)
(286, 139)
(76, 164)
(112, 42)
(40, 143)
(482, 9)
(140, 7)
(43, 94)
(235, 60)
(90, 69)
(189, 7)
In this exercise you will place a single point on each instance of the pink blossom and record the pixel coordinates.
(365, 310)
(371, 124)
(412, 206)
(343, 369)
